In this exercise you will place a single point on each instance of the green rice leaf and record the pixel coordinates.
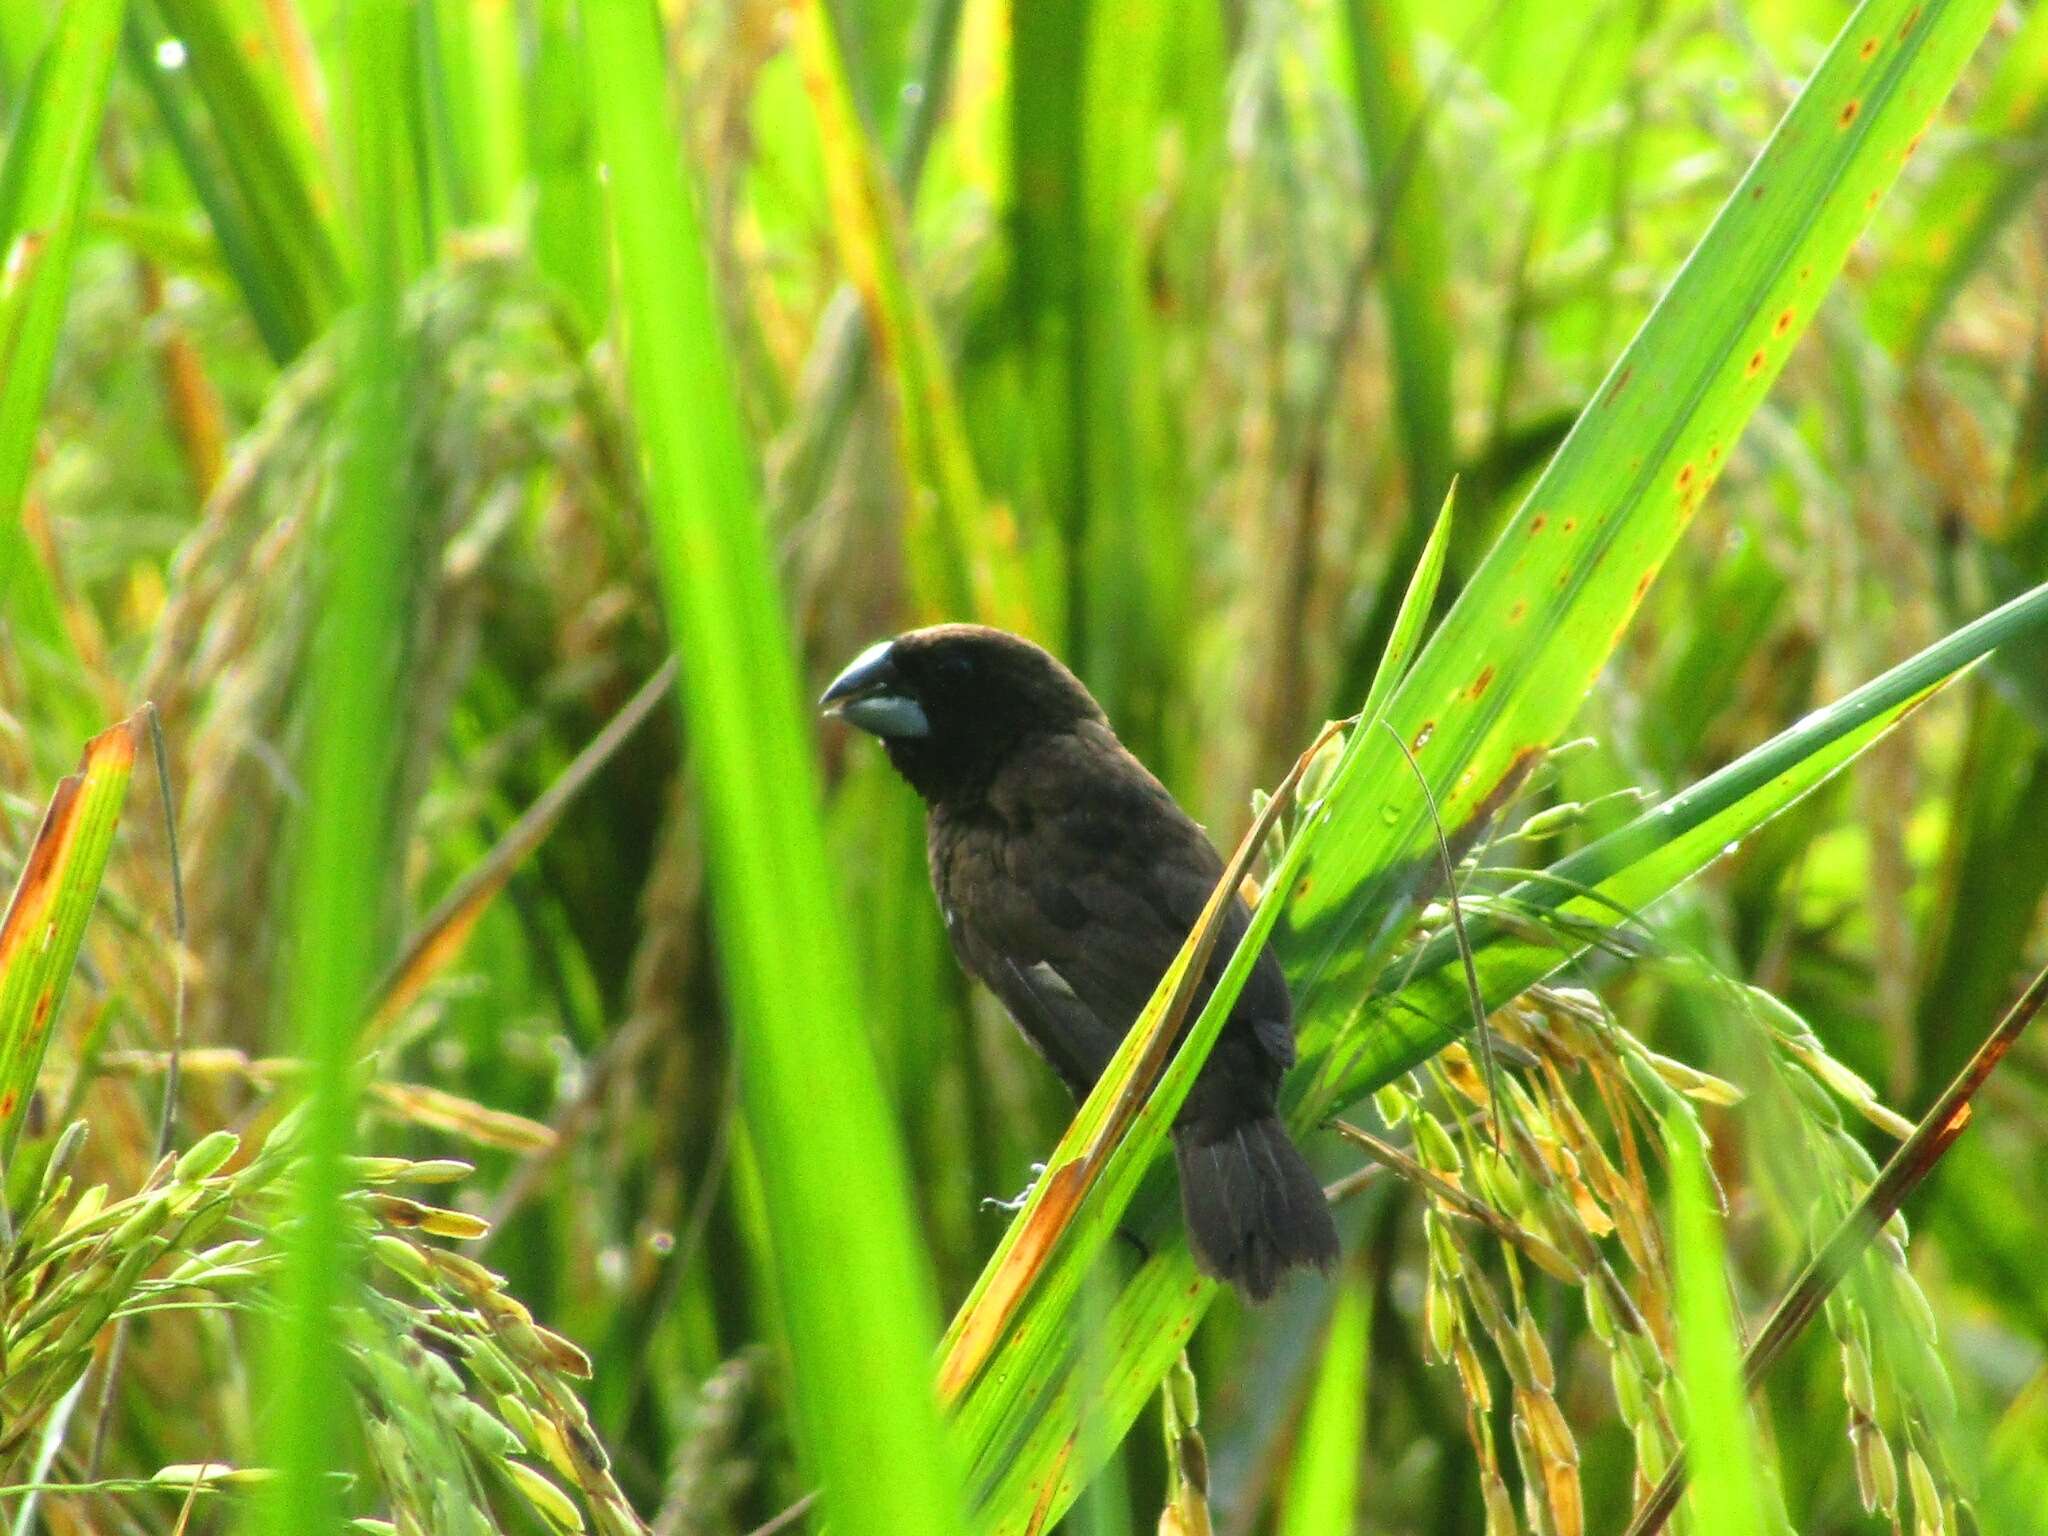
(1504, 674)
(42, 195)
(45, 918)
(1724, 1495)
(852, 1288)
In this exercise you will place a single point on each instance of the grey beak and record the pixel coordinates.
(871, 694)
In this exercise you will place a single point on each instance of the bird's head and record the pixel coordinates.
(952, 702)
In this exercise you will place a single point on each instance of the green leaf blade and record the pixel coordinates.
(1422, 1008)
(44, 921)
(1725, 1496)
(42, 197)
(1506, 671)
(860, 1323)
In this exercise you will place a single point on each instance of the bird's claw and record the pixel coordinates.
(1018, 1201)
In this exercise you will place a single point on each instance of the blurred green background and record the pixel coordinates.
(387, 387)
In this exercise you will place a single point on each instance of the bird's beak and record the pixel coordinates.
(871, 694)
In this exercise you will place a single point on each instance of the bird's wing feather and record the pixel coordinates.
(1065, 1031)
(1073, 925)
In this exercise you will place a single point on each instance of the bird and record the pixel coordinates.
(1068, 878)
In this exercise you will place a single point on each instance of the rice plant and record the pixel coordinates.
(1559, 494)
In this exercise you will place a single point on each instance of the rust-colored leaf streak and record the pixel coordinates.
(1063, 1187)
(1908, 1167)
(1042, 1510)
(46, 917)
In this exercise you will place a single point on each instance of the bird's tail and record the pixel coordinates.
(1254, 1208)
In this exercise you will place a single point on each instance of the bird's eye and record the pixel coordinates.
(955, 668)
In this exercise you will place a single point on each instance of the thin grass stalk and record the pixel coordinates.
(438, 938)
(167, 1114)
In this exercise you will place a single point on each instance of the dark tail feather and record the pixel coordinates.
(1254, 1208)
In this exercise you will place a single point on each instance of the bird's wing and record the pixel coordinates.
(1074, 1040)
(994, 945)
(1264, 1002)
(1073, 924)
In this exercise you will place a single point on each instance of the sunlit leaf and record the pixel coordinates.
(46, 917)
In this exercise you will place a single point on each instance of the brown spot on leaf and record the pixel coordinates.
(1912, 145)
(35, 891)
(7, 1103)
(36, 888)
(1482, 682)
(1756, 193)
(1519, 612)
(1422, 736)
(1685, 474)
(1643, 584)
(1756, 362)
(1621, 383)
(1869, 48)
(1041, 1510)
(1783, 323)
(1537, 523)
(1569, 525)
(1912, 19)
(1848, 113)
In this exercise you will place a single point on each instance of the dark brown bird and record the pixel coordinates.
(1068, 879)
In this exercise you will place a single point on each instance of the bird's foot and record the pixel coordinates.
(1018, 1201)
